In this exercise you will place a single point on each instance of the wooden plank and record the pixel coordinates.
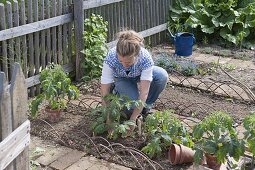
(96, 3)
(161, 9)
(19, 96)
(16, 23)
(5, 108)
(129, 15)
(65, 45)
(153, 30)
(79, 28)
(6, 115)
(120, 13)
(111, 22)
(23, 38)
(157, 4)
(48, 43)
(43, 50)
(152, 21)
(14, 144)
(135, 15)
(125, 14)
(54, 33)
(4, 43)
(35, 26)
(145, 33)
(18, 91)
(10, 41)
(70, 33)
(117, 20)
(60, 60)
(143, 14)
(37, 44)
(106, 14)
(139, 15)
(31, 44)
(5, 112)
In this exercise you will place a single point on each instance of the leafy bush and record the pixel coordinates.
(215, 135)
(55, 87)
(249, 134)
(233, 20)
(161, 130)
(95, 47)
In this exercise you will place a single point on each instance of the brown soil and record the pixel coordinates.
(74, 127)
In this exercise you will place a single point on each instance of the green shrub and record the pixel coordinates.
(161, 130)
(115, 110)
(215, 135)
(233, 21)
(95, 47)
(249, 134)
(55, 87)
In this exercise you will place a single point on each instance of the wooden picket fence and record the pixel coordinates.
(15, 128)
(37, 32)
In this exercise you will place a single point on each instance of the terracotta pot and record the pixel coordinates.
(53, 115)
(212, 162)
(180, 154)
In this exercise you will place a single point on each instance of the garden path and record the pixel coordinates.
(207, 58)
(50, 156)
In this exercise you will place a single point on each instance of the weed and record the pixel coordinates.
(225, 53)
(186, 67)
(229, 67)
(207, 50)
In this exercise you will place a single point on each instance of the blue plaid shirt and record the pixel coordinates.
(144, 61)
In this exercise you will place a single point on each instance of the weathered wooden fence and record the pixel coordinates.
(36, 32)
(15, 128)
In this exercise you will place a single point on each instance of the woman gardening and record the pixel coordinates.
(127, 64)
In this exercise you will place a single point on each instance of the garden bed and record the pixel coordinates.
(73, 130)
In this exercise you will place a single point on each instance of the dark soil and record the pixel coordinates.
(73, 130)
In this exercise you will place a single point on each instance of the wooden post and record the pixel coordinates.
(79, 28)
(18, 92)
(13, 113)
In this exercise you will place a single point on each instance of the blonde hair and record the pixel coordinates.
(129, 43)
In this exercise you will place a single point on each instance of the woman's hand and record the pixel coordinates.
(130, 129)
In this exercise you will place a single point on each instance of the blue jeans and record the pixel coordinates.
(128, 86)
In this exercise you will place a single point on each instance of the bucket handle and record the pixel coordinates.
(185, 26)
(169, 32)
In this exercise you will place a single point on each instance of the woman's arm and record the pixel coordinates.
(105, 90)
(144, 91)
(106, 81)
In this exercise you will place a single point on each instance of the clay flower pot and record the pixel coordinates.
(53, 115)
(212, 162)
(180, 154)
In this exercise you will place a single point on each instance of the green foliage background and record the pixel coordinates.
(232, 21)
(95, 47)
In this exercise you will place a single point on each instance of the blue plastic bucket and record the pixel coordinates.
(183, 43)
